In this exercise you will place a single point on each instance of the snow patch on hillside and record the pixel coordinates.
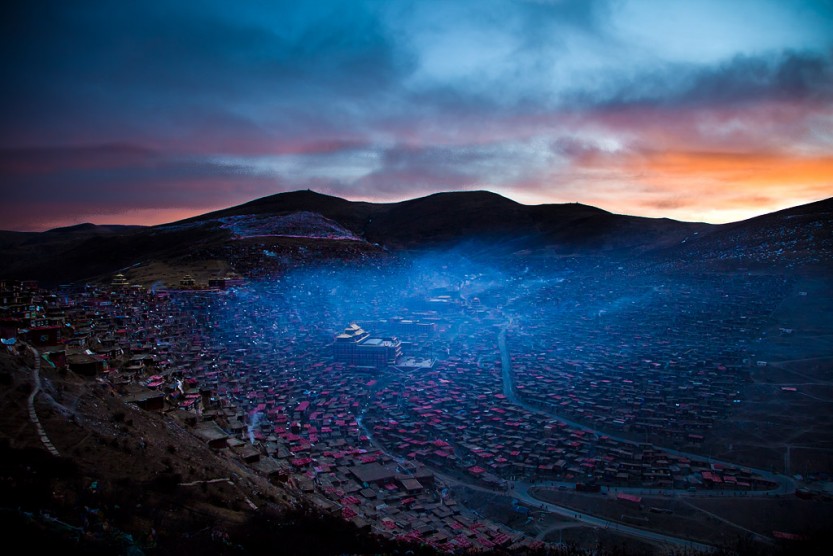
(298, 224)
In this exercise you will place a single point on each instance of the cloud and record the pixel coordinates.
(203, 104)
(41, 183)
(413, 171)
(18, 163)
(743, 80)
(155, 71)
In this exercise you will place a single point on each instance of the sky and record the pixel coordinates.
(148, 112)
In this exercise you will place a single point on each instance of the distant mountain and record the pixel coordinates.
(483, 215)
(274, 232)
(95, 228)
(85, 227)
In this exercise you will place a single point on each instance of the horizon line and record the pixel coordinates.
(188, 214)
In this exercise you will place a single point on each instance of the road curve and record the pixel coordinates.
(786, 485)
(520, 490)
(33, 416)
(522, 493)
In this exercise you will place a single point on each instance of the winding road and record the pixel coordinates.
(33, 415)
(786, 485)
(521, 490)
(523, 495)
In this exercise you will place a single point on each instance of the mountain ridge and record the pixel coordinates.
(499, 224)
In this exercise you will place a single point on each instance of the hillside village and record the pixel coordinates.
(249, 370)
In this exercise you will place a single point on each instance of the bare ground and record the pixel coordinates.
(125, 463)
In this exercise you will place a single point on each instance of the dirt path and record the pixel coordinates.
(33, 415)
(557, 527)
(756, 536)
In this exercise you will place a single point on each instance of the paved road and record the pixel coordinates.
(522, 493)
(786, 485)
(645, 491)
(33, 416)
(520, 490)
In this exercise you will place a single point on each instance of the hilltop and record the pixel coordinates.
(269, 234)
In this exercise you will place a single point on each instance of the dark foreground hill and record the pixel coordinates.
(273, 232)
(134, 482)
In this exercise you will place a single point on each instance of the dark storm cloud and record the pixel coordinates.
(150, 70)
(789, 76)
(785, 76)
(255, 76)
(169, 72)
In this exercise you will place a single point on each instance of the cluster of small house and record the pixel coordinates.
(285, 409)
(456, 417)
(254, 374)
(663, 364)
